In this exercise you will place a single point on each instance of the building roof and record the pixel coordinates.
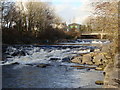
(73, 24)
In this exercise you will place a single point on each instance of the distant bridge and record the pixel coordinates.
(94, 33)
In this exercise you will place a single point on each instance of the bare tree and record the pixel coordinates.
(106, 14)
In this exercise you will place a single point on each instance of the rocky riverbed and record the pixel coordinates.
(54, 66)
(106, 61)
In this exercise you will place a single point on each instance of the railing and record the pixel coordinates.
(93, 33)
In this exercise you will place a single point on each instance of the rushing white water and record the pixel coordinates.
(79, 41)
(59, 74)
(44, 53)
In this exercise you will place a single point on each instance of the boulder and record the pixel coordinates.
(96, 50)
(99, 59)
(99, 82)
(91, 50)
(77, 60)
(92, 54)
(66, 59)
(87, 59)
(105, 48)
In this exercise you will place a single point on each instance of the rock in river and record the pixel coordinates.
(19, 53)
(77, 66)
(100, 58)
(99, 69)
(66, 59)
(81, 67)
(43, 65)
(55, 59)
(87, 59)
(77, 60)
(99, 82)
(15, 63)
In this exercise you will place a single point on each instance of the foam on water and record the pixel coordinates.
(79, 41)
(43, 53)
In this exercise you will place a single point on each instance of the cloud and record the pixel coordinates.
(77, 11)
(70, 9)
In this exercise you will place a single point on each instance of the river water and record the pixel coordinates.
(20, 66)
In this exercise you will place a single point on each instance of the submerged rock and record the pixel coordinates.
(66, 59)
(15, 63)
(91, 67)
(55, 59)
(81, 67)
(99, 82)
(30, 64)
(76, 66)
(19, 53)
(43, 65)
(99, 69)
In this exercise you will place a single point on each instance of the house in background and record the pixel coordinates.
(74, 27)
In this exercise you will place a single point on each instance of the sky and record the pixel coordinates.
(71, 11)
(74, 11)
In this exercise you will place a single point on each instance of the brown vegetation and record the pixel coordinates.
(29, 22)
(106, 20)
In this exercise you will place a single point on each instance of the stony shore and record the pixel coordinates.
(106, 61)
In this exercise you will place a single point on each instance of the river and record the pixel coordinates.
(19, 68)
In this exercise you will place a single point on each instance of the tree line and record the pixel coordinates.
(105, 19)
(29, 22)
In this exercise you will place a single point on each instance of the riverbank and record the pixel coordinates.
(106, 61)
